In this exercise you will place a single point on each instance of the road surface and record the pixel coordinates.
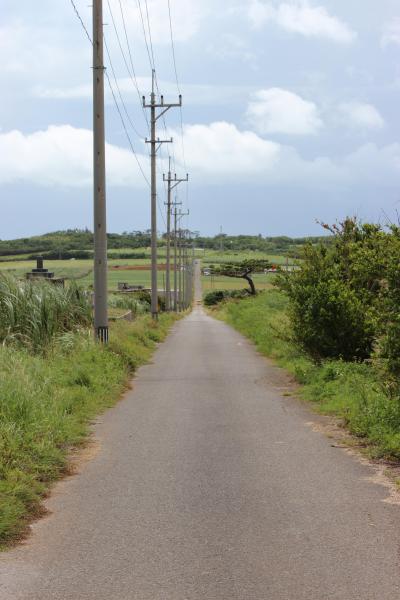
(208, 484)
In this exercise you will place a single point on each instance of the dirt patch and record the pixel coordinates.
(386, 474)
(79, 457)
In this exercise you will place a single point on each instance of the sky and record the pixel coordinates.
(289, 118)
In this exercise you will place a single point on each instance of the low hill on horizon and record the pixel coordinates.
(61, 244)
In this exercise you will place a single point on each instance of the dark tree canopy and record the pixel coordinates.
(242, 270)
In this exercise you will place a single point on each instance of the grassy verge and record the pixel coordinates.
(354, 392)
(47, 403)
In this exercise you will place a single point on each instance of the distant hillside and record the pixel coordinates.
(62, 243)
(79, 243)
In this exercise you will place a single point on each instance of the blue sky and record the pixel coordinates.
(290, 113)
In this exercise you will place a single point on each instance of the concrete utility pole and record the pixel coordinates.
(173, 182)
(180, 265)
(155, 145)
(99, 168)
(177, 217)
(176, 214)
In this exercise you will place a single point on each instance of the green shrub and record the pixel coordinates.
(329, 320)
(345, 298)
(216, 296)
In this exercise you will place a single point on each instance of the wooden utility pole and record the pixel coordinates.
(155, 145)
(99, 169)
(173, 182)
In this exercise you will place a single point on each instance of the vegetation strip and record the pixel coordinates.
(47, 401)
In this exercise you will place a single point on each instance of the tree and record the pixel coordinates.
(242, 270)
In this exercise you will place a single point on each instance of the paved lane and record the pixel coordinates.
(209, 485)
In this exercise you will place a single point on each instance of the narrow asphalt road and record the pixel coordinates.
(208, 484)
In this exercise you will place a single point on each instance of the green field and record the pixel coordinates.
(82, 270)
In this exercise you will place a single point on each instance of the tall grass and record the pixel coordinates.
(32, 313)
(128, 302)
(47, 401)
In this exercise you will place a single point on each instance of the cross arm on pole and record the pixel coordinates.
(159, 142)
(174, 180)
(165, 107)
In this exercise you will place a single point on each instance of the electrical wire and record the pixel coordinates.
(119, 90)
(131, 61)
(179, 92)
(130, 69)
(150, 38)
(125, 109)
(81, 21)
(144, 34)
(112, 91)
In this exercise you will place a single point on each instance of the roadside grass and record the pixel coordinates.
(47, 402)
(354, 392)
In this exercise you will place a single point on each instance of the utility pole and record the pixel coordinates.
(178, 260)
(99, 169)
(180, 270)
(176, 214)
(156, 143)
(173, 182)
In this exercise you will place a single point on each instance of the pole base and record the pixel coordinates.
(101, 334)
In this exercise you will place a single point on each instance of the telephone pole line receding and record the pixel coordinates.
(99, 168)
(175, 214)
(178, 261)
(155, 145)
(173, 182)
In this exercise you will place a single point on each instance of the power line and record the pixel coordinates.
(112, 92)
(131, 61)
(120, 113)
(177, 79)
(126, 130)
(173, 45)
(145, 35)
(150, 51)
(150, 38)
(131, 73)
(119, 90)
(81, 21)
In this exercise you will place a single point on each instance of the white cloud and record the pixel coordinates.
(187, 17)
(299, 16)
(62, 156)
(362, 115)
(223, 151)
(229, 46)
(47, 51)
(225, 154)
(280, 111)
(194, 94)
(391, 33)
